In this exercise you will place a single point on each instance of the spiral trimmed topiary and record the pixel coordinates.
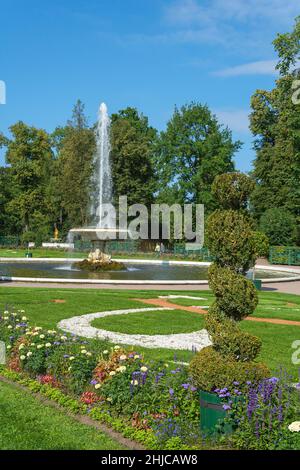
(233, 243)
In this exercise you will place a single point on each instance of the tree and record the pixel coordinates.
(30, 156)
(75, 146)
(190, 153)
(275, 123)
(9, 223)
(132, 141)
(279, 225)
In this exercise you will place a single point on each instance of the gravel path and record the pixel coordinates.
(81, 325)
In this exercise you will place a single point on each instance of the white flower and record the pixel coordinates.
(63, 338)
(29, 354)
(134, 382)
(24, 318)
(112, 373)
(22, 311)
(9, 327)
(35, 333)
(22, 358)
(83, 351)
(121, 369)
(105, 352)
(123, 357)
(42, 336)
(40, 346)
(116, 348)
(5, 318)
(21, 346)
(166, 365)
(8, 347)
(109, 399)
(136, 356)
(97, 386)
(144, 369)
(14, 314)
(88, 354)
(6, 312)
(71, 358)
(48, 345)
(295, 426)
(38, 328)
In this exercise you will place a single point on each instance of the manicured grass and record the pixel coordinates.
(154, 323)
(27, 424)
(56, 253)
(42, 311)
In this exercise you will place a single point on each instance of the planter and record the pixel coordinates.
(257, 283)
(212, 413)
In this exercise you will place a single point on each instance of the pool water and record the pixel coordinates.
(138, 272)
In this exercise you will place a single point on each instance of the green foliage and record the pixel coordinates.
(261, 244)
(275, 123)
(210, 370)
(232, 190)
(132, 141)
(190, 153)
(236, 296)
(279, 226)
(229, 235)
(229, 340)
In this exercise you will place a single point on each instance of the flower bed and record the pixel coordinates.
(154, 403)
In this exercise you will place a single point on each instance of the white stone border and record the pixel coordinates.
(81, 326)
(137, 282)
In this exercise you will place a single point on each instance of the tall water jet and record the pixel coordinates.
(102, 172)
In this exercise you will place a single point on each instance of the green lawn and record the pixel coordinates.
(42, 311)
(27, 424)
(154, 323)
(56, 253)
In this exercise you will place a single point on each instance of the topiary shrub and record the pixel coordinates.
(232, 190)
(210, 371)
(229, 340)
(236, 296)
(229, 238)
(234, 245)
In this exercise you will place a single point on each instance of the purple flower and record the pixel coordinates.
(193, 389)
(171, 391)
(93, 382)
(226, 407)
(185, 386)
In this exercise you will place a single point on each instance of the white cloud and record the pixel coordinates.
(236, 119)
(207, 11)
(261, 67)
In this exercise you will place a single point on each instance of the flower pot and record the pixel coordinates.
(257, 283)
(212, 414)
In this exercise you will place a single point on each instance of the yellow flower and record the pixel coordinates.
(42, 336)
(136, 356)
(166, 365)
(88, 354)
(9, 327)
(48, 345)
(29, 354)
(22, 358)
(83, 351)
(105, 352)
(71, 358)
(8, 347)
(123, 357)
(116, 348)
(144, 369)
(40, 346)
(63, 338)
(109, 399)
(21, 346)
(97, 386)
(112, 373)
(121, 369)
(24, 318)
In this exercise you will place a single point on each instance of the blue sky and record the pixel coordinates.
(151, 54)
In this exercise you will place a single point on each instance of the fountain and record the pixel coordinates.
(104, 223)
